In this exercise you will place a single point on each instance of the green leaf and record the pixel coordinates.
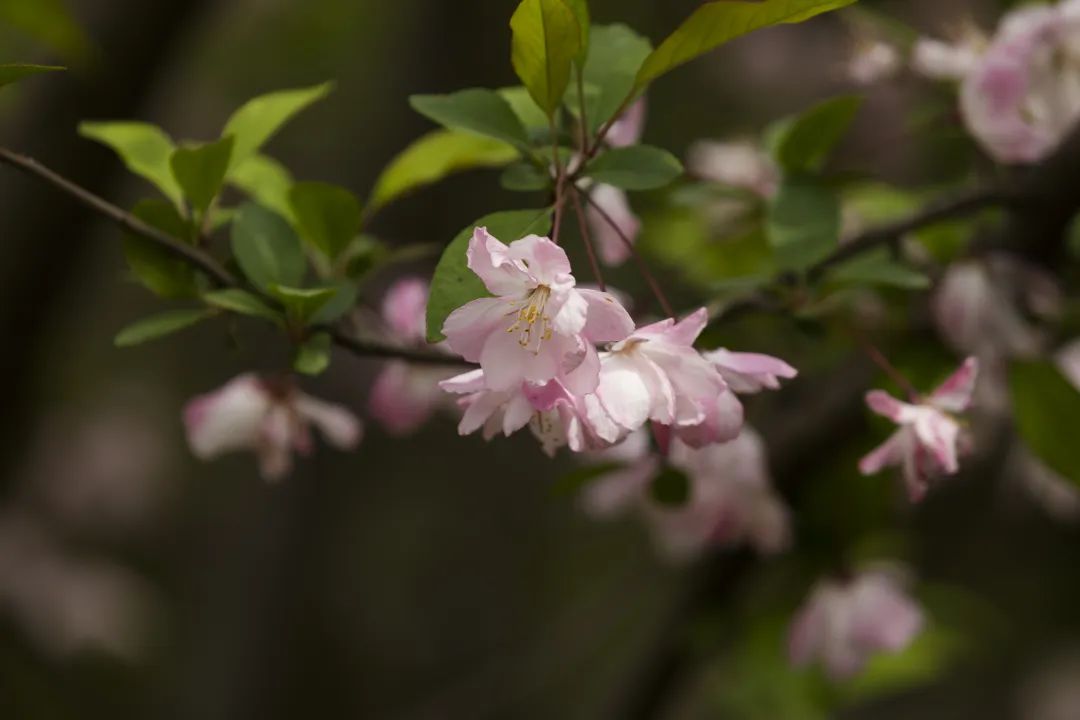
(243, 303)
(1046, 407)
(14, 72)
(547, 38)
(715, 23)
(879, 268)
(616, 53)
(159, 271)
(434, 157)
(801, 144)
(575, 480)
(313, 357)
(266, 181)
(670, 488)
(530, 114)
(580, 8)
(454, 284)
(152, 328)
(476, 110)
(302, 304)
(144, 148)
(525, 177)
(267, 248)
(48, 22)
(803, 224)
(638, 167)
(260, 118)
(328, 215)
(341, 302)
(200, 171)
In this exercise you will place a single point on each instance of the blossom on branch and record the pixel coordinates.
(844, 623)
(927, 444)
(612, 221)
(267, 417)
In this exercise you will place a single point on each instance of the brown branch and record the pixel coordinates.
(201, 260)
(583, 226)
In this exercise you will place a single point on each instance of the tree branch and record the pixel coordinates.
(202, 260)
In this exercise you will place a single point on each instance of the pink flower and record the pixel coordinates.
(613, 221)
(873, 61)
(844, 624)
(939, 60)
(270, 419)
(739, 164)
(404, 396)
(630, 126)
(749, 373)
(1023, 97)
(731, 499)
(539, 324)
(656, 374)
(926, 445)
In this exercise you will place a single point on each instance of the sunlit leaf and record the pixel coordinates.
(267, 248)
(145, 149)
(328, 215)
(259, 119)
(313, 357)
(157, 326)
(266, 181)
(546, 39)
(200, 171)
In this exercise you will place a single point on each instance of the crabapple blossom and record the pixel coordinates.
(731, 499)
(270, 418)
(844, 623)
(940, 60)
(927, 444)
(611, 220)
(740, 164)
(404, 396)
(749, 373)
(539, 324)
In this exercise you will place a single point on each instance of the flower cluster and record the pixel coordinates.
(535, 341)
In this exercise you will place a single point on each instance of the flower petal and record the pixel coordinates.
(608, 321)
(493, 263)
(468, 328)
(954, 395)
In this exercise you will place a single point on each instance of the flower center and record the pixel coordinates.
(532, 324)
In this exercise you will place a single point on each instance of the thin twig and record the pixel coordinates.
(202, 260)
(583, 225)
(642, 266)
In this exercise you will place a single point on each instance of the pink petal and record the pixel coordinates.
(723, 422)
(954, 395)
(337, 424)
(630, 126)
(227, 419)
(570, 318)
(466, 383)
(404, 307)
(938, 433)
(468, 328)
(608, 320)
(396, 401)
(890, 453)
(686, 331)
(624, 392)
(546, 262)
(886, 405)
(750, 372)
(612, 222)
(492, 261)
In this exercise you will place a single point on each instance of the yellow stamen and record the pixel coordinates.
(531, 313)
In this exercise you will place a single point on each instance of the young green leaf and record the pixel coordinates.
(200, 171)
(476, 110)
(158, 271)
(301, 304)
(801, 144)
(580, 8)
(341, 302)
(547, 38)
(157, 326)
(530, 114)
(803, 223)
(715, 23)
(266, 181)
(670, 488)
(328, 216)
(616, 52)
(1047, 411)
(144, 148)
(454, 284)
(638, 167)
(260, 118)
(878, 268)
(266, 247)
(243, 303)
(14, 72)
(313, 357)
(525, 177)
(434, 157)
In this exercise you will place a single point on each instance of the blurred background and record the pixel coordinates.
(434, 576)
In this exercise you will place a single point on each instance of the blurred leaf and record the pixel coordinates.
(260, 118)
(615, 55)
(15, 72)
(715, 23)
(1046, 407)
(341, 302)
(267, 182)
(267, 248)
(803, 223)
(200, 171)
(671, 488)
(580, 8)
(434, 157)
(242, 302)
(301, 304)
(530, 114)
(152, 328)
(159, 271)
(802, 143)
(525, 177)
(878, 267)
(476, 110)
(638, 167)
(328, 216)
(928, 657)
(576, 480)
(313, 357)
(47, 21)
(546, 39)
(454, 284)
(364, 255)
(145, 149)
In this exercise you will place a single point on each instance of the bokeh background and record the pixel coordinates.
(436, 577)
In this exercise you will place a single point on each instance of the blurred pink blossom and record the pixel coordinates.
(843, 624)
(740, 164)
(611, 220)
(271, 419)
(873, 61)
